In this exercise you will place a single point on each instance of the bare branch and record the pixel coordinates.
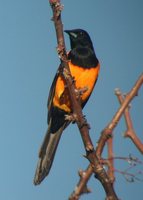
(107, 132)
(110, 171)
(130, 132)
(76, 107)
(81, 187)
(95, 165)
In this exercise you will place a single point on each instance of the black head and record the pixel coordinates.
(79, 37)
(82, 52)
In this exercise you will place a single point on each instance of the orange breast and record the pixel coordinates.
(83, 78)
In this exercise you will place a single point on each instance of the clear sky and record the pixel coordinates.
(28, 62)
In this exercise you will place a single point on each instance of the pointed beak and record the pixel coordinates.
(67, 31)
(71, 33)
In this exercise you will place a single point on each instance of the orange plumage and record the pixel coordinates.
(83, 78)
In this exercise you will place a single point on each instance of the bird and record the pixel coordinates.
(84, 67)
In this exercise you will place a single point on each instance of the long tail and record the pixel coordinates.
(47, 153)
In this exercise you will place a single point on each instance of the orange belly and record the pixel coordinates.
(83, 78)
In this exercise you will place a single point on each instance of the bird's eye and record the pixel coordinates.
(81, 33)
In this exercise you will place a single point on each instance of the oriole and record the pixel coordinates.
(84, 67)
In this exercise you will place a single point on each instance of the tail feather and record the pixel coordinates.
(47, 153)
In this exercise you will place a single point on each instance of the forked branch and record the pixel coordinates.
(107, 134)
(130, 132)
(92, 155)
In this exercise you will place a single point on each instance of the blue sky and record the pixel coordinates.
(28, 62)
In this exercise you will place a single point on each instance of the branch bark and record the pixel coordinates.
(110, 171)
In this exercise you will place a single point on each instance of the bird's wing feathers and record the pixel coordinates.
(51, 96)
(51, 139)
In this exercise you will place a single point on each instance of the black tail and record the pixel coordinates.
(47, 153)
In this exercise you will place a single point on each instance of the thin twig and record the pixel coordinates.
(130, 132)
(81, 187)
(110, 171)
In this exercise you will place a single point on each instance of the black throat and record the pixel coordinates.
(83, 56)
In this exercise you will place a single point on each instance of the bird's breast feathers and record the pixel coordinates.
(83, 77)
